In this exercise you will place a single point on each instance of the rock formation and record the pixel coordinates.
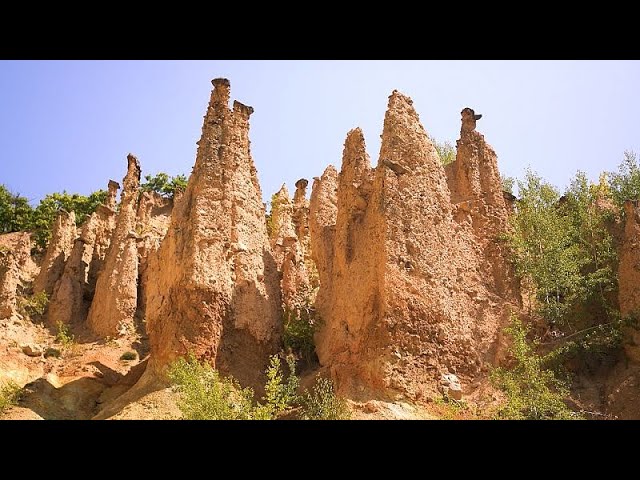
(115, 300)
(323, 211)
(17, 270)
(288, 251)
(215, 291)
(301, 216)
(74, 291)
(154, 216)
(629, 276)
(63, 235)
(403, 294)
(477, 198)
(282, 235)
(9, 276)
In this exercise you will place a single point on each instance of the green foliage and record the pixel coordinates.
(446, 151)
(45, 213)
(532, 392)
(562, 245)
(64, 336)
(15, 211)
(625, 183)
(205, 395)
(129, 356)
(164, 185)
(299, 327)
(280, 395)
(35, 304)
(9, 395)
(542, 246)
(323, 404)
(508, 183)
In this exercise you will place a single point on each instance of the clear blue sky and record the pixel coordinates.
(69, 125)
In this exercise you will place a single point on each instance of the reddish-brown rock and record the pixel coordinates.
(115, 300)
(63, 236)
(154, 216)
(323, 211)
(478, 199)
(403, 294)
(74, 291)
(215, 291)
(629, 276)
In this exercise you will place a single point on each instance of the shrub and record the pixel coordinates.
(533, 392)
(44, 215)
(300, 326)
(9, 395)
(323, 404)
(64, 336)
(129, 356)
(164, 185)
(205, 395)
(280, 396)
(446, 151)
(35, 304)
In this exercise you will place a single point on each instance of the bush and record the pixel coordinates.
(299, 328)
(35, 304)
(533, 393)
(129, 356)
(446, 152)
(205, 395)
(625, 183)
(9, 395)
(164, 185)
(280, 396)
(64, 336)
(44, 215)
(323, 404)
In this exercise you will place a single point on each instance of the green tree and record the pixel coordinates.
(543, 247)
(446, 151)
(532, 392)
(164, 184)
(45, 213)
(15, 211)
(625, 183)
(590, 235)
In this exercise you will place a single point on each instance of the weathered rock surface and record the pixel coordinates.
(9, 278)
(115, 300)
(215, 292)
(154, 216)
(63, 235)
(629, 276)
(74, 291)
(288, 251)
(478, 199)
(404, 294)
(17, 269)
(323, 211)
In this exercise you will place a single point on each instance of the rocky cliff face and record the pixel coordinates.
(629, 276)
(115, 300)
(404, 293)
(478, 200)
(215, 291)
(74, 291)
(154, 216)
(63, 235)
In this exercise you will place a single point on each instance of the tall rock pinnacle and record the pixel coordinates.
(215, 292)
(114, 303)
